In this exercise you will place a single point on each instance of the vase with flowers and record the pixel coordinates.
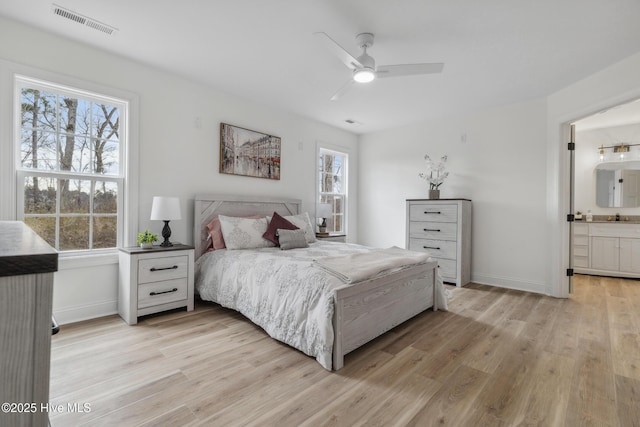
(435, 175)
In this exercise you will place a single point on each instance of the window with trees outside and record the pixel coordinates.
(70, 165)
(332, 167)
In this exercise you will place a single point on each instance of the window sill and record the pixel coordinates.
(72, 261)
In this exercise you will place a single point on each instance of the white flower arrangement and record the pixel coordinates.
(435, 174)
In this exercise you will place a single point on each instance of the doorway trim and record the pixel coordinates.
(559, 182)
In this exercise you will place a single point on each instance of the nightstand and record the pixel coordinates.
(154, 280)
(342, 238)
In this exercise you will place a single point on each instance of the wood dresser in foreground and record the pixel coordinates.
(27, 264)
(442, 227)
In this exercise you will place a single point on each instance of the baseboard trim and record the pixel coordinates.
(85, 312)
(510, 283)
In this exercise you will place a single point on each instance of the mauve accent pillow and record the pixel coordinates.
(216, 234)
(277, 222)
(291, 239)
(215, 231)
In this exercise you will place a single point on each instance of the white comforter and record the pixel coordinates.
(279, 291)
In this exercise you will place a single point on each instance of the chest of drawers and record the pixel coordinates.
(154, 280)
(442, 228)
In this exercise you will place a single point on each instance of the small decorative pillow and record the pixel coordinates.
(303, 222)
(277, 222)
(244, 233)
(291, 239)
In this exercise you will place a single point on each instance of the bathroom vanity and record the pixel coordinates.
(607, 248)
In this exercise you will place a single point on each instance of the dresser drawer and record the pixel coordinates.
(581, 261)
(431, 212)
(580, 229)
(581, 250)
(581, 240)
(165, 268)
(433, 230)
(447, 269)
(436, 248)
(157, 293)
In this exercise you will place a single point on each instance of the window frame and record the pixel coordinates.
(10, 130)
(345, 153)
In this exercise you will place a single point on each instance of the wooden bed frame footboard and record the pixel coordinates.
(368, 309)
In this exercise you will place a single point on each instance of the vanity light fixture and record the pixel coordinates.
(622, 149)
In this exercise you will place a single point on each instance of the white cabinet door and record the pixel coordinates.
(630, 255)
(605, 253)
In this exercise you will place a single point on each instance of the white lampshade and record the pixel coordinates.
(323, 210)
(165, 208)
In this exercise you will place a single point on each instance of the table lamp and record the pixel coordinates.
(323, 210)
(165, 209)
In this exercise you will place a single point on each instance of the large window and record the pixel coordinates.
(70, 165)
(332, 166)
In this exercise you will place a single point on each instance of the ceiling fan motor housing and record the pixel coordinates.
(364, 40)
(367, 61)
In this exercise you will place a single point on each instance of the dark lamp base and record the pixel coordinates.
(166, 233)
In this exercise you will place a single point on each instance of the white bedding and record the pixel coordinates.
(360, 266)
(278, 290)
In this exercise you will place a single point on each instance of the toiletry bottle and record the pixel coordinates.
(589, 216)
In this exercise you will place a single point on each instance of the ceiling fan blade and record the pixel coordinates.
(338, 51)
(408, 69)
(342, 90)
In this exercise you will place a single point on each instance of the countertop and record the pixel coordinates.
(22, 251)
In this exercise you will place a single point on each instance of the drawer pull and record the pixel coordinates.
(175, 267)
(437, 213)
(431, 229)
(163, 292)
(430, 247)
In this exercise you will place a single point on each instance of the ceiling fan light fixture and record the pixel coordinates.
(364, 75)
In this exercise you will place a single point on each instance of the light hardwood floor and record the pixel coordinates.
(497, 358)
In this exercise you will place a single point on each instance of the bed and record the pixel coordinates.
(315, 311)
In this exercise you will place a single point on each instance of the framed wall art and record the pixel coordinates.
(249, 153)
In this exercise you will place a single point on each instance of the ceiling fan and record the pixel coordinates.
(364, 66)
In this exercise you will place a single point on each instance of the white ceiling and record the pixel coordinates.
(495, 51)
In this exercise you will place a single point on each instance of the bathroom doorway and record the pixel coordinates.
(605, 187)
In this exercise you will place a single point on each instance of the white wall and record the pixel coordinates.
(176, 156)
(500, 167)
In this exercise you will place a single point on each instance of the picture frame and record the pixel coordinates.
(246, 152)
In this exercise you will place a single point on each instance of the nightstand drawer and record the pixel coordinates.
(165, 268)
(157, 293)
(431, 212)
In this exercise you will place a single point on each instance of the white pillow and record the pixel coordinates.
(303, 222)
(244, 233)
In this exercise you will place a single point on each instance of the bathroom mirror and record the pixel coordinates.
(618, 184)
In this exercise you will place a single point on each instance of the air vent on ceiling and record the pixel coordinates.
(81, 19)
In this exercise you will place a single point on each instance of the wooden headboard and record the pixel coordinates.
(209, 206)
